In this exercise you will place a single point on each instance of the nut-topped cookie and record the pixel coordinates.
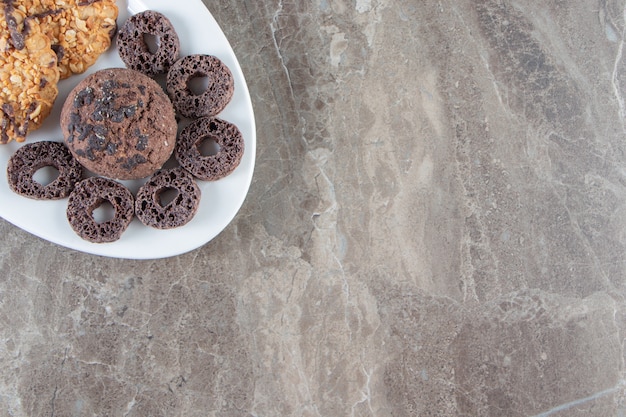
(28, 74)
(80, 31)
(119, 123)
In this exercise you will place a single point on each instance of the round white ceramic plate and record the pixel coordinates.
(221, 200)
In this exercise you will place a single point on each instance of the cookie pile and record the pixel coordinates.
(120, 124)
(41, 42)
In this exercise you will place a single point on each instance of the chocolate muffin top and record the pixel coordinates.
(119, 123)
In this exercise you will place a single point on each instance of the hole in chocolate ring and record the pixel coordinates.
(198, 84)
(208, 146)
(166, 195)
(152, 42)
(46, 175)
(103, 211)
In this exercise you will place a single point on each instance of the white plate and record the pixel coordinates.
(221, 200)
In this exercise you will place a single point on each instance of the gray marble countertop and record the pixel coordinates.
(436, 227)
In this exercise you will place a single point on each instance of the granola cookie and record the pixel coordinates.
(28, 74)
(80, 30)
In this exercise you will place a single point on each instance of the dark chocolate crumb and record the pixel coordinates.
(84, 97)
(133, 161)
(142, 143)
(59, 51)
(96, 142)
(111, 148)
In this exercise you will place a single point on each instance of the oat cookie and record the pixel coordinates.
(80, 30)
(28, 74)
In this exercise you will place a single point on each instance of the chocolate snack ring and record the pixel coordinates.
(135, 52)
(91, 193)
(213, 99)
(210, 167)
(179, 211)
(28, 159)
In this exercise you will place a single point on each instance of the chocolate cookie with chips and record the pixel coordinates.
(119, 123)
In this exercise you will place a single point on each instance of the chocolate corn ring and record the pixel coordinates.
(210, 167)
(91, 193)
(213, 99)
(30, 158)
(152, 212)
(137, 54)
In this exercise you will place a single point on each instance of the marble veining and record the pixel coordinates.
(436, 227)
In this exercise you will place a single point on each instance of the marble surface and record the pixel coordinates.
(436, 227)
